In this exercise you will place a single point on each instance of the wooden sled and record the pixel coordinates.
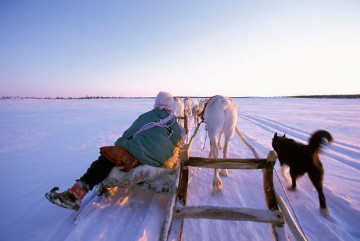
(172, 180)
(177, 208)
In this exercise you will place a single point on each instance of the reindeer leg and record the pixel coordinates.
(219, 141)
(217, 184)
(224, 172)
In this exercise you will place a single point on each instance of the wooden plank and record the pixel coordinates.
(236, 214)
(278, 230)
(184, 177)
(184, 155)
(294, 228)
(228, 163)
(169, 212)
(269, 184)
(183, 183)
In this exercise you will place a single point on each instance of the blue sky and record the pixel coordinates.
(190, 47)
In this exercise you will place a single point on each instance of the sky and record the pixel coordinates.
(189, 48)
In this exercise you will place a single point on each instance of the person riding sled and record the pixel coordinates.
(150, 140)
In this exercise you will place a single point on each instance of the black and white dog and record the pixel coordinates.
(301, 159)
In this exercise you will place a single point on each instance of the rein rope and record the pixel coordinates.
(205, 138)
(287, 198)
(196, 168)
(160, 123)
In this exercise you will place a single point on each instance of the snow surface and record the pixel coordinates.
(47, 143)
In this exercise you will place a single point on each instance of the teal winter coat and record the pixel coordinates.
(154, 146)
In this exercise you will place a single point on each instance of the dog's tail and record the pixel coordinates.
(318, 139)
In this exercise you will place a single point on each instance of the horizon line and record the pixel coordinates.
(183, 96)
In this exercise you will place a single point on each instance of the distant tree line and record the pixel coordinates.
(113, 97)
(327, 96)
(72, 98)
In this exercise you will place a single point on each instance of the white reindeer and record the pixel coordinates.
(197, 109)
(179, 108)
(220, 115)
(188, 107)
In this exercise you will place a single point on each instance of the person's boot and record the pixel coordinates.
(71, 198)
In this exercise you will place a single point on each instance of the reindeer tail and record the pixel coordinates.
(246, 142)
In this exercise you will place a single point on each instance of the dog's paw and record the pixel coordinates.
(291, 189)
(324, 212)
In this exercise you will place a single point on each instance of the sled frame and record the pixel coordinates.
(177, 208)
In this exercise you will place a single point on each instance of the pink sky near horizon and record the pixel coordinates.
(195, 48)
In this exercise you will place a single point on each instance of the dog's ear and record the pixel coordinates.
(275, 135)
(284, 135)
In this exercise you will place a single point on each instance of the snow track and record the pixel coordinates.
(122, 211)
(340, 151)
(52, 142)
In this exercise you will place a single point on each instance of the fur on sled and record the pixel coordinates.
(119, 177)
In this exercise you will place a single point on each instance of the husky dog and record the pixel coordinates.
(301, 159)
